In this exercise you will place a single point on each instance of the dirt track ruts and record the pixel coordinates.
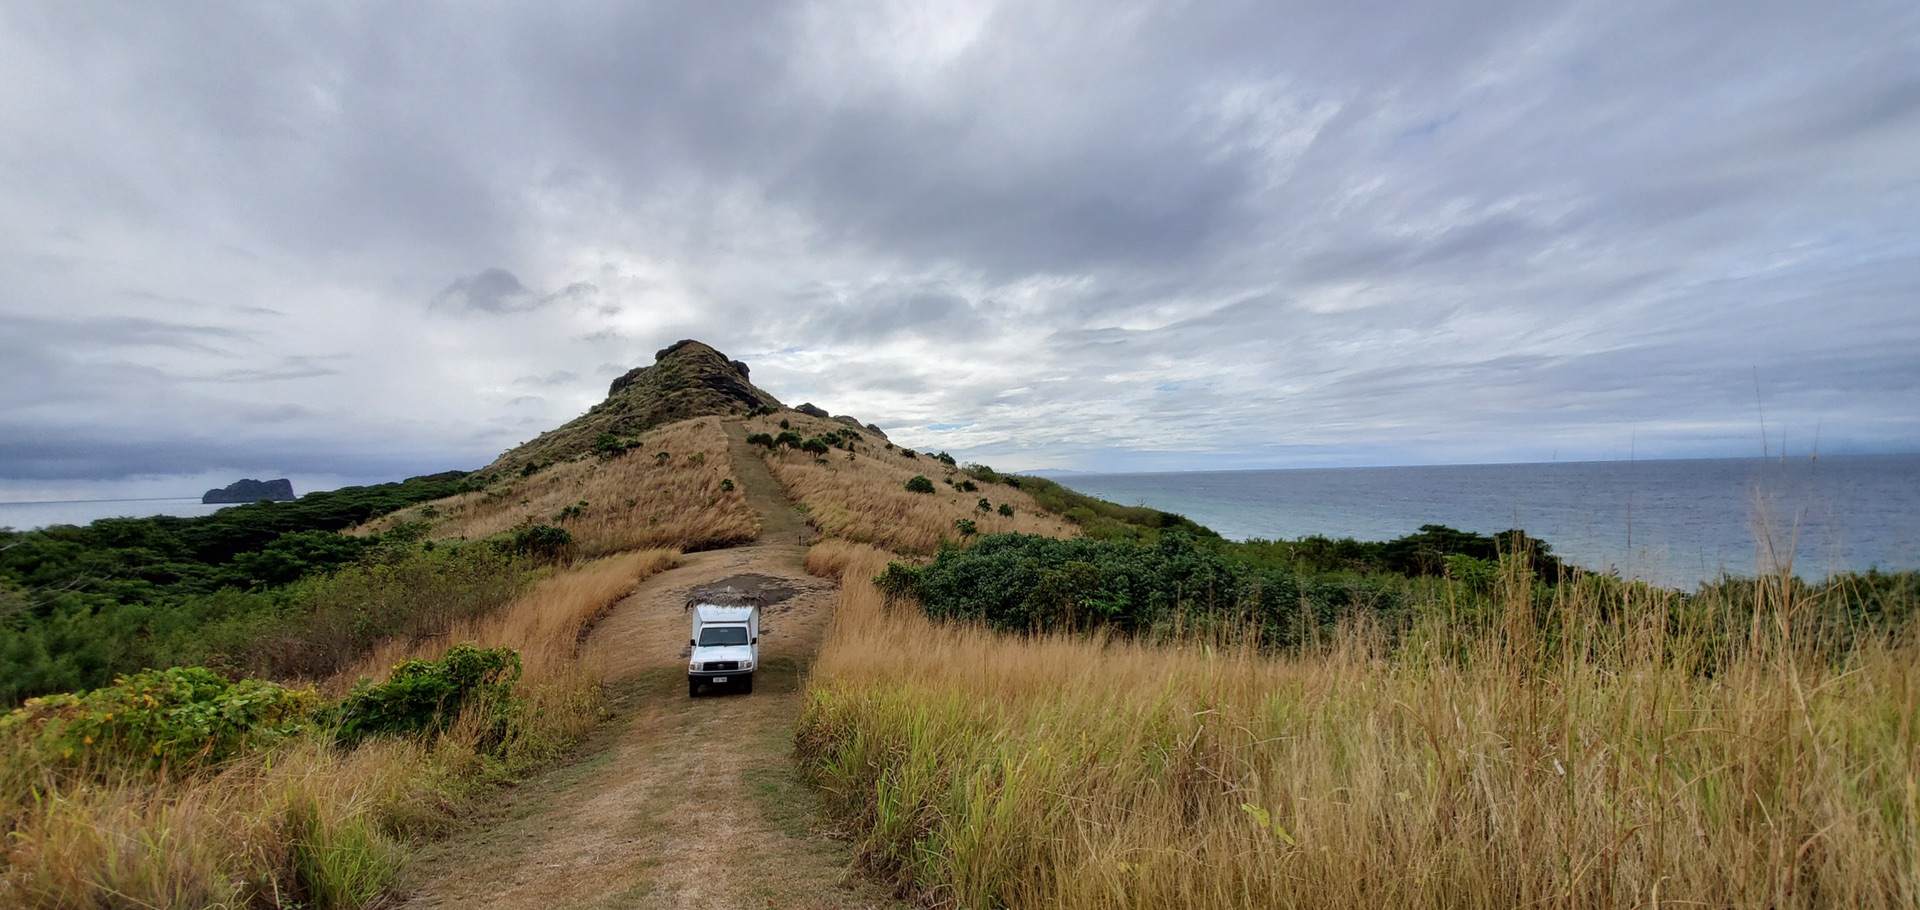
(677, 802)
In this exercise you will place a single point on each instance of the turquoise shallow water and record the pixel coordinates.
(1670, 522)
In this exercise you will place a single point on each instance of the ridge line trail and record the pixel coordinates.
(676, 802)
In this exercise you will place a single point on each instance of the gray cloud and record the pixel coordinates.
(1089, 235)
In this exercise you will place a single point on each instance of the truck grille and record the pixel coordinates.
(721, 665)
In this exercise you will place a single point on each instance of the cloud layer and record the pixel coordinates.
(364, 242)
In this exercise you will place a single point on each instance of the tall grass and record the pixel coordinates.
(308, 824)
(864, 498)
(1482, 766)
(634, 501)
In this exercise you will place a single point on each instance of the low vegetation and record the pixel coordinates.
(180, 788)
(81, 605)
(1571, 753)
(860, 490)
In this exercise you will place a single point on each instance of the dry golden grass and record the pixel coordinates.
(634, 501)
(988, 770)
(546, 625)
(864, 498)
(310, 825)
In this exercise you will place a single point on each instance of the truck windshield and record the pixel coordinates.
(723, 635)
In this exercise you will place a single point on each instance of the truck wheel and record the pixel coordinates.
(693, 688)
(746, 685)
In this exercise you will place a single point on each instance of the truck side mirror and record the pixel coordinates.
(691, 642)
(756, 639)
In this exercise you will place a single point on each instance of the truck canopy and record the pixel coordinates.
(723, 613)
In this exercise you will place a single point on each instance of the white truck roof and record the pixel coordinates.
(723, 612)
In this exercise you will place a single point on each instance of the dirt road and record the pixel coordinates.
(679, 802)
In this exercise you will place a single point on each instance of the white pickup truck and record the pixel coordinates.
(725, 646)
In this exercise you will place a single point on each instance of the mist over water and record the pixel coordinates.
(1670, 522)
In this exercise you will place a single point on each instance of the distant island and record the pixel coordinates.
(252, 491)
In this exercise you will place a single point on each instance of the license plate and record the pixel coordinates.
(719, 679)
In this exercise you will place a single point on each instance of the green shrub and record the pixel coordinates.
(966, 527)
(945, 459)
(760, 439)
(1021, 582)
(918, 483)
(815, 446)
(967, 486)
(983, 505)
(910, 453)
(899, 580)
(177, 720)
(571, 512)
(1005, 509)
(542, 542)
(726, 484)
(426, 696)
(607, 445)
(788, 438)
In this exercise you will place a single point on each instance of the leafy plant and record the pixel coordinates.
(607, 445)
(542, 542)
(1005, 509)
(966, 527)
(177, 720)
(918, 483)
(726, 484)
(983, 506)
(426, 696)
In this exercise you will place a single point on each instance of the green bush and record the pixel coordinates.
(815, 446)
(1021, 582)
(967, 486)
(176, 720)
(966, 527)
(788, 438)
(983, 505)
(918, 483)
(427, 696)
(542, 542)
(760, 439)
(726, 484)
(607, 445)
(1005, 509)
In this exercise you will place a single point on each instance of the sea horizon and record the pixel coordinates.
(1675, 521)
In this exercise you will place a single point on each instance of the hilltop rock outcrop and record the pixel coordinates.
(686, 379)
(249, 490)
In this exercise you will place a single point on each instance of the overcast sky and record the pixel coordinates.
(358, 241)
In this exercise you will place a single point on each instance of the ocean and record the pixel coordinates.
(25, 516)
(1673, 522)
